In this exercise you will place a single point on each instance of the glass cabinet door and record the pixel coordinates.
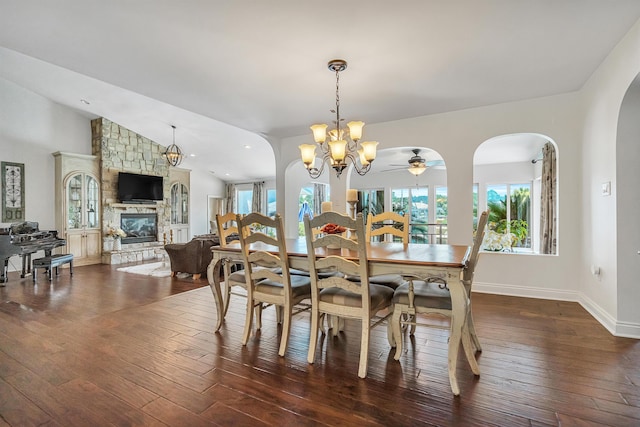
(185, 205)
(82, 202)
(74, 202)
(92, 202)
(179, 204)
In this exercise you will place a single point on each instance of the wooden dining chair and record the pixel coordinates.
(233, 273)
(387, 225)
(268, 280)
(432, 297)
(384, 227)
(335, 295)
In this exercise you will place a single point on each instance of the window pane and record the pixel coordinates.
(497, 206)
(305, 207)
(245, 198)
(419, 215)
(271, 202)
(420, 205)
(475, 207)
(520, 214)
(400, 200)
(370, 201)
(439, 231)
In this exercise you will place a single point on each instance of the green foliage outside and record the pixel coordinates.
(518, 225)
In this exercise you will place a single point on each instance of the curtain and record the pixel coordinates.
(319, 196)
(230, 198)
(548, 200)
(258, 197)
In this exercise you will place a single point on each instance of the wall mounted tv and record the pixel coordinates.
(136, 188)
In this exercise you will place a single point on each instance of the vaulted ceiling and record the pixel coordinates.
(226, 72)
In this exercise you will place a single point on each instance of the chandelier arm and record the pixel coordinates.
(315, 172)
(361, 170)
(364, 170)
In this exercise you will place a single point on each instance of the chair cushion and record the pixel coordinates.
(238, 278)
(238, 275)
(300, 286)
(390, 280)
(321, 274)
(426, 295)
(380, 297)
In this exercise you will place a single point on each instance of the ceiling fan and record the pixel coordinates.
(417, 164)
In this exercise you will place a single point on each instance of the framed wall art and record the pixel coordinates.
(12, 192)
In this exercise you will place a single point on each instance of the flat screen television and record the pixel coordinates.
(136, 188)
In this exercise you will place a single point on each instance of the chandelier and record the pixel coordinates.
(174, 153)
(342, 144)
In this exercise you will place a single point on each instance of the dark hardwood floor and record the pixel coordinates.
(112, 348)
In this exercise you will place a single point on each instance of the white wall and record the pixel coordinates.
(31, 128)
(607, 221)
(628, 201)
(203, 185)
(456, 136)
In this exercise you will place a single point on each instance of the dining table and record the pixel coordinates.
(420, 261)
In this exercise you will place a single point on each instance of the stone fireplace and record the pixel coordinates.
(140, 227)
(121, 150)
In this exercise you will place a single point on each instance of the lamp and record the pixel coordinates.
(343, 143)
(417, 165)
(174, 153)
(417, 169)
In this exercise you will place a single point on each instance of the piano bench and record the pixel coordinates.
(51, 262)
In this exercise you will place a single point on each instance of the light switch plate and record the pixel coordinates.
(606, 188)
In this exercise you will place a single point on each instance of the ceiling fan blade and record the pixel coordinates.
(434, 163)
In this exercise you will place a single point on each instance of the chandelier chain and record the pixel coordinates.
(338, 100)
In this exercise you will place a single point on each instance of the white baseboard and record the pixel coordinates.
(525, 291)
(616, 328)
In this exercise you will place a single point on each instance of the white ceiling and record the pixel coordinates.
(226, 72)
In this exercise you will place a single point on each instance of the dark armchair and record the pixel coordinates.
(192, 257)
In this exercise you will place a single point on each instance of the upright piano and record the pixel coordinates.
(23, 239)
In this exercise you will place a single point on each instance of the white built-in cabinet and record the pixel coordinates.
(78, 207)
(180, 183)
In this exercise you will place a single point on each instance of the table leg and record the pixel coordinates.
(213, 276)
(459, 308)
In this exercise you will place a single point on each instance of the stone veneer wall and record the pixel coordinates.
(119, 149)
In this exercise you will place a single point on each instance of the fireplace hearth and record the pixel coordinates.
(140, 227)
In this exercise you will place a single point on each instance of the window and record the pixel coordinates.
(509, 208)
(415, 203)
(244, 200)
(509, 172)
